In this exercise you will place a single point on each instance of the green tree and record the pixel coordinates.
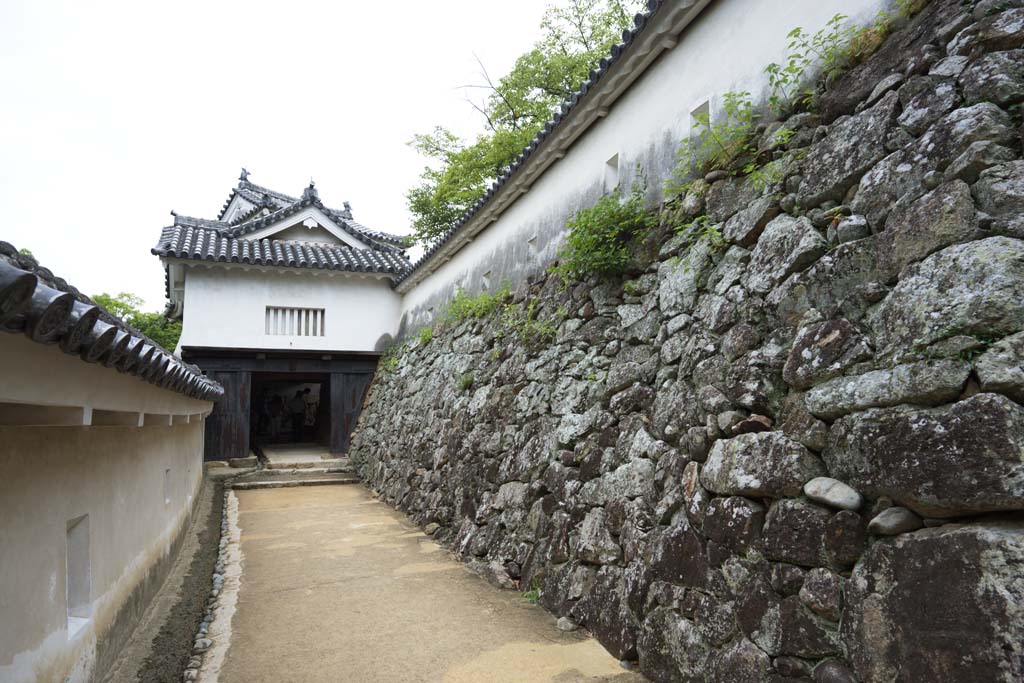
(576, 34)
(156, 326)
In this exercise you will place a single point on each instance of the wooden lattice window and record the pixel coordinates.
(295, 322)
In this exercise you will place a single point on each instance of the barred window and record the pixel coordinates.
(295, 322)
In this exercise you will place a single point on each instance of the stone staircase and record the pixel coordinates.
(297, 465)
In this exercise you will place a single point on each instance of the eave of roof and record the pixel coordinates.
(50, 311)
(658, 28)
(212, 246)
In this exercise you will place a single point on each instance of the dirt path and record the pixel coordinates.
(338, 587)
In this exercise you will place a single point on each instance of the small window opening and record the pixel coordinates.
(532, 244)
(611, 174)
(700, 118)
(487, 280)
(79, 575)
(167, 487)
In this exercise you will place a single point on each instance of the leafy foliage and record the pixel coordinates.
(466, 382)
(156, 326)
(834, 49)
(525, 324)
(601, 237)
(389, 360)
(765, 176)
(576, 34)
(532, 596)
(701, 228)
(721, 141)
(714, 144)
(425, 334)
(827, 49)
(465, 306)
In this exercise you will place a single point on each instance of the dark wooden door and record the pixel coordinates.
(227, 428)
(348, 389)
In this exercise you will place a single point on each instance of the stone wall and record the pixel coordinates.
(793, 454)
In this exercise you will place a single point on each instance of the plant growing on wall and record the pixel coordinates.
(464, 306)
(526, 325)
(601, 237)
(714, 144)
(834, 49)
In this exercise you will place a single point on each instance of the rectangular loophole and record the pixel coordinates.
(611, 174)
(79, 574)
(167, 487)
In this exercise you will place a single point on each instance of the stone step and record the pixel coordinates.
(284, 481)
(278, 473)
(308, 464)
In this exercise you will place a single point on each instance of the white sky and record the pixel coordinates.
(114, 113)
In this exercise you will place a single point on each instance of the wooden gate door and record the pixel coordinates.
(227, 428)
(348, 389)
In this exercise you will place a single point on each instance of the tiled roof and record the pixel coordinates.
(628, 36)
(48, 310)
(201, 239)
(202, 244)
(274, 201)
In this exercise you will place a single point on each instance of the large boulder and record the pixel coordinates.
(746, 225)
(822, 351)
(998, 31)
(968, 289)
(595, 544)
(925, 100)
(940, 604)
(940, 218)
(923, 383)
(840, 283)
(603, 610)
(730, 195)
(899, 176)
(680, 282)
(630, 480)
(759, 465)
(787, 245)
(996, 77)
(734, 522)
(1000, 193)
(811, 535)
(1001, 367)
(958, 459)
(850, 148)
(742, 662)
(672, 649)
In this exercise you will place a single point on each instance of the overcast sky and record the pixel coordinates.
(114, 113)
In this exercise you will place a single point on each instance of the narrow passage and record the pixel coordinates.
(337, 586)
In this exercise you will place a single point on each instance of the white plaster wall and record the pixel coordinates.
(725, 49)
(49, 475)
(225, 307)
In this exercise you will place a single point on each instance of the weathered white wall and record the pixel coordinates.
(225, 307)
(725, 49)
(114, 474)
